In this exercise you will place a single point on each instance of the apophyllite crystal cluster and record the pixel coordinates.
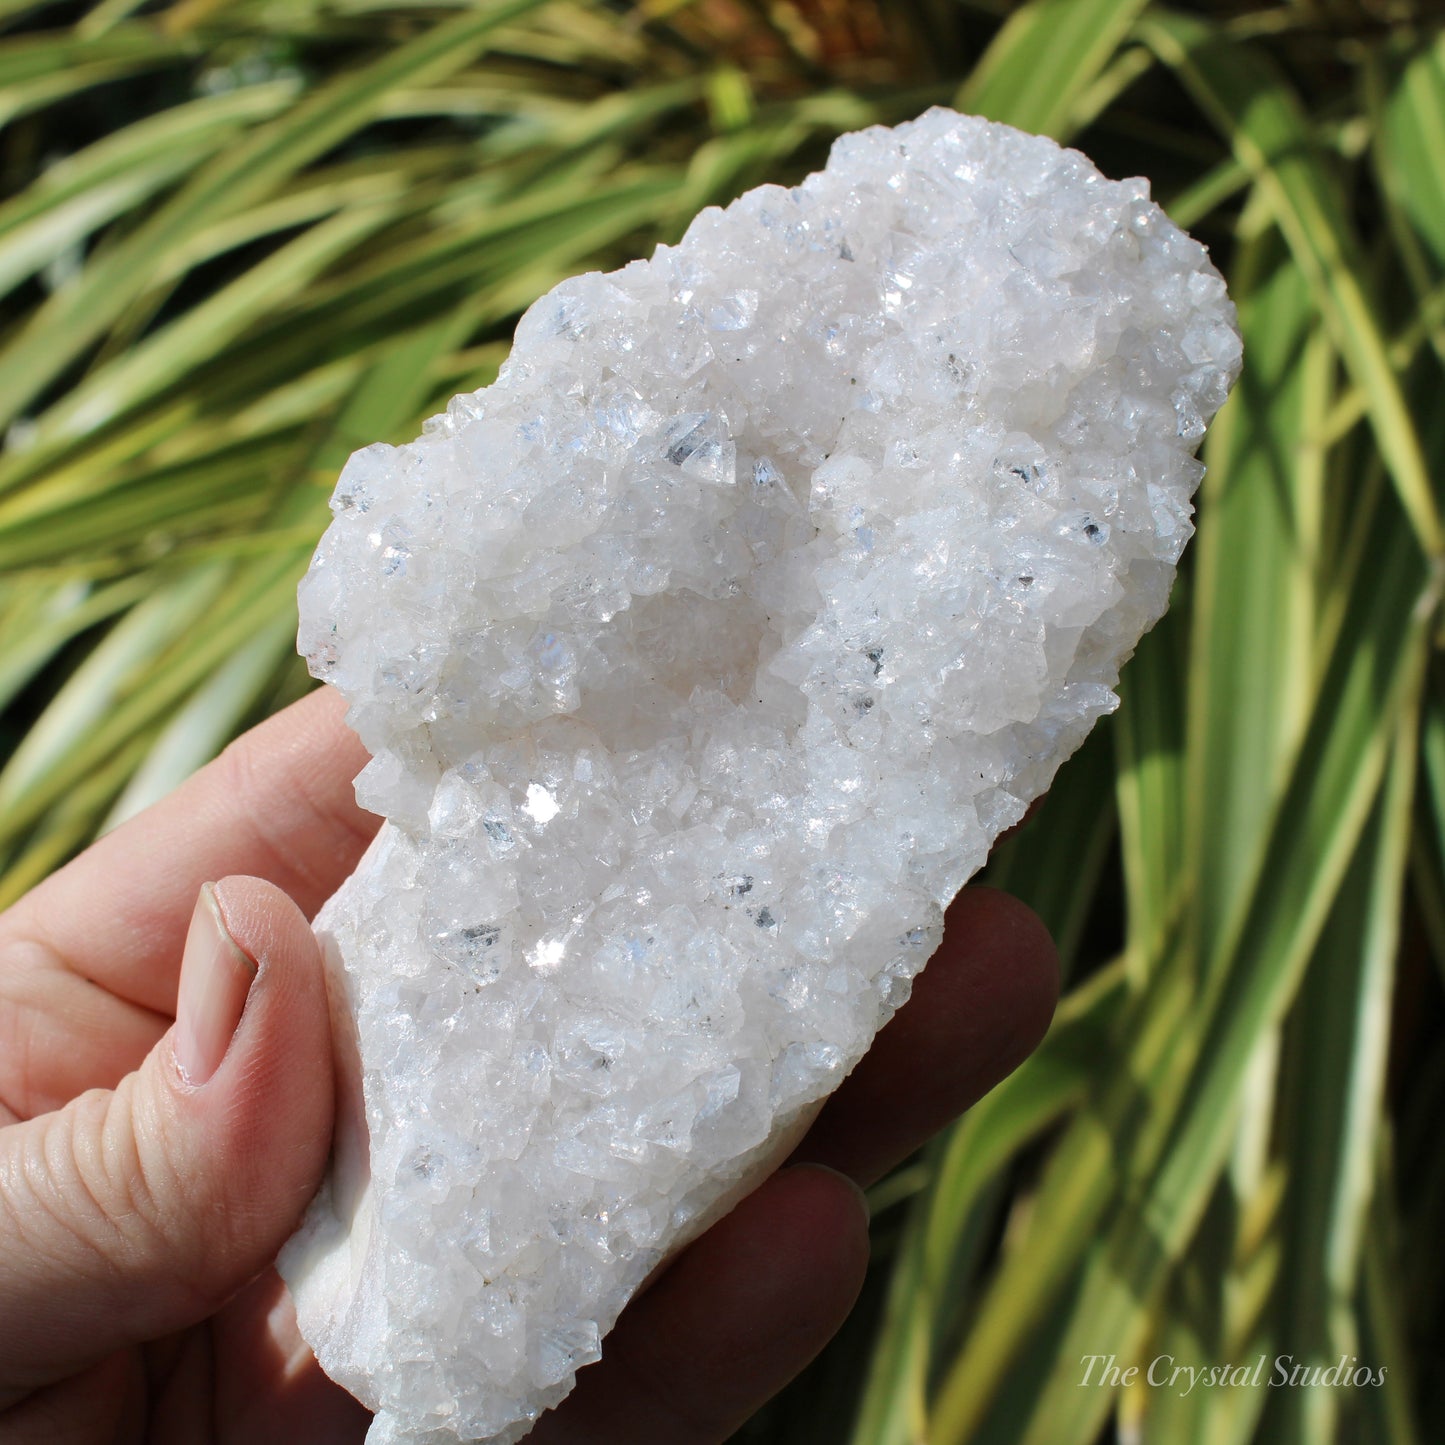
(702, 658)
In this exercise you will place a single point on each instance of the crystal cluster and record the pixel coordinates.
(702, 658)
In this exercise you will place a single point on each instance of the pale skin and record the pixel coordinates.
(141, 1207)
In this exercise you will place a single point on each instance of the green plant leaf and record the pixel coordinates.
(1038, 72)
(1255, 109)
(74, 317)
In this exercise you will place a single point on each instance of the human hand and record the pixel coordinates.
(150, 1169)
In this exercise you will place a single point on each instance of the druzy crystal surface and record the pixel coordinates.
(702, 658)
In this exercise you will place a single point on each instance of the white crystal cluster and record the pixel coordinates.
(703, 657)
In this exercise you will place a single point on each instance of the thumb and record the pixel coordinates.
(135, 1212)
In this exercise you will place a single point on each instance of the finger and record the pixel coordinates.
(733, 1319)
(128, 1215)
(977, 1011)
(61, 1034)
(111, 1392)
(277, 804)
(269, 1386)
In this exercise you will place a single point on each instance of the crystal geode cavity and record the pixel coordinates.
(702, 658)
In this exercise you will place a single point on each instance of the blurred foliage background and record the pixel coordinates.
(239, 238)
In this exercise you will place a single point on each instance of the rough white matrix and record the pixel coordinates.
(703, 656)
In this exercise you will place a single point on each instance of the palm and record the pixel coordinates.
(88, 970)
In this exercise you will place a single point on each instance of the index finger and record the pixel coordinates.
(277, 804)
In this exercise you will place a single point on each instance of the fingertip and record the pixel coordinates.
(320, 718)
(775, 1277)
(289, 996)
(737, 1315)
(1022, 959)
(977, 1010)
(982, 1004)
(828, 1213)
(266, 923)
(262, 1122)
(820, 1217)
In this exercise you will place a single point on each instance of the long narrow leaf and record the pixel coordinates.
(1256, 110)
